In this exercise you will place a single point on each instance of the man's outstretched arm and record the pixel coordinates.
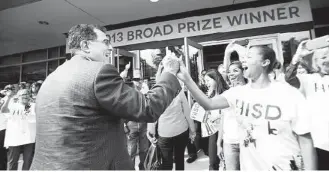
(123, 101)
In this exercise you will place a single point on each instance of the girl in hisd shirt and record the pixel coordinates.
(315, 87)
(230, 136)
(21, 129)
(273, 120)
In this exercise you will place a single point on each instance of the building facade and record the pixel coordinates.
(202, 35)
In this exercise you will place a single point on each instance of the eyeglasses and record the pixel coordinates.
(105, 41)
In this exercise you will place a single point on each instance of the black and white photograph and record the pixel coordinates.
(157, 85)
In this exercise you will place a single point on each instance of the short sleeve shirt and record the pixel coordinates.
(21, 125)
(316, 90)
(268, 121)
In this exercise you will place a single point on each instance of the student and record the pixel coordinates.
(21, 129)
(175, 127)
(216, 85)
(273, 121)
(230, 134)
(315, 87)
(228, 142)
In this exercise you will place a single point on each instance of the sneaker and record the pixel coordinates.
(191, 159)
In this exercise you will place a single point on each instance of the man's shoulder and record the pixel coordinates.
(79, 69)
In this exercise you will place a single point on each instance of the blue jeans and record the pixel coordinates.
(212, 152)
(14, 153)
(232, 156)
(136, 138)
(173, 145)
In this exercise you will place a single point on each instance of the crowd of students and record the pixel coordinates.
(268, 124)
(17, 124)
(264, 121)
(264, 124)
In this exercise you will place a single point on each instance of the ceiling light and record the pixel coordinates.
(154, 0)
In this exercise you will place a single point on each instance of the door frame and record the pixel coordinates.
(188, 42)
(117, 52)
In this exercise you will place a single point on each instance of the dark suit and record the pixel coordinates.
(79, 110)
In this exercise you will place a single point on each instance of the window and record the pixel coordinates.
(290, 42)
(52, 65)
(35, 55)
(9, 75)
(61, 61)
(150, 61)
(34, 72)
(62, 51)
(53, 53)
(9, 60)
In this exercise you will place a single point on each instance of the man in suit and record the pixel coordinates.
(80, 107)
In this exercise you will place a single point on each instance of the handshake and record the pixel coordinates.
(174, 64)
(171, 64)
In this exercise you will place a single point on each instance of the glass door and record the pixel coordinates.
(193, 61)
(120, 58)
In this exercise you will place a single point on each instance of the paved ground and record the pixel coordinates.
(201, 164)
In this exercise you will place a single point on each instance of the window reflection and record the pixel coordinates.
(9, 75)
(9, 60)
(34, 72)
(52, 65)
(35, 55)
(123, 61)
(53, 53)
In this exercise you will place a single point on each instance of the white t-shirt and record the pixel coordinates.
(230, 126)
(173, 121)
(316, 90)
(268, 119)
(21, 125)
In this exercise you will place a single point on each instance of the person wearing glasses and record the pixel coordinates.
(21, 130)
(81, 106)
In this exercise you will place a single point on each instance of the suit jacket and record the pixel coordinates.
(79, 112)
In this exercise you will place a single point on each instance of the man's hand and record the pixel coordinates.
(170, 64)
(301, 52)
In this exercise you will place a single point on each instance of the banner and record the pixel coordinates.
(249, 18)
(210, 120)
